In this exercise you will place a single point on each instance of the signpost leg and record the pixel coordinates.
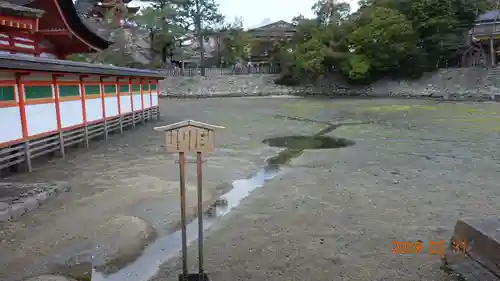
(199, 162)
(183, 215)
(182, 137)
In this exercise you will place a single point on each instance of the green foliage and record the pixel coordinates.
(384, 38)
(236, 42)
(161, 27)
(309, 57)
(159, 22)
(357, 67)
(441, 26)
(330, 11)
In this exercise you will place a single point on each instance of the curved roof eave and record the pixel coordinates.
(79, 28)
(490, 16)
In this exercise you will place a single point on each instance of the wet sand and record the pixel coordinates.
(332, 214)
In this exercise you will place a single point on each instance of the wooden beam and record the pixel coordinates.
(18, 22)
(59, 32)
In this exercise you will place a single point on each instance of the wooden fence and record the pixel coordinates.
(220, 71)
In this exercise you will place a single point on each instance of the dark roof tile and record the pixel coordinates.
(80, 27)
(24, 62)
(7, 7)
(490, 16)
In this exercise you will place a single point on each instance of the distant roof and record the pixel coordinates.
(7, 7)
(24, 62)
(185, 123)
(19, 2)
(266, 21)
(281, 24)
(490, 16)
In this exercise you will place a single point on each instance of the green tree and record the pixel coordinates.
(384, 37)
(159, 22)
(171, 23)
(305, 29)
(236, 42)
(209, 13)
(309, 58)
(297, 19)
(330, 11)
(442, 27)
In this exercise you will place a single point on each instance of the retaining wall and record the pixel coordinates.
(459, 83)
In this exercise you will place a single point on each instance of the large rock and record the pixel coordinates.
(481, 257)
(116, 243)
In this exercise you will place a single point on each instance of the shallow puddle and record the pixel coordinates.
(308, 142)
(167, 247)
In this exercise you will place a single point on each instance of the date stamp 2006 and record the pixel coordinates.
(434, 247)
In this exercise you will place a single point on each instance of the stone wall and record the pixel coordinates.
(457, 83)
(243, 84)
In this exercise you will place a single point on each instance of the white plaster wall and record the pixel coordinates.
(93, 108)
(48, 55)
(147, 101)
(155, 100)
(23, 54)
(125, 105)
(24, 39)
(11, 127)
(71, 113)
(41, 118)
(137, 102)
(26, 46)
(111, 105)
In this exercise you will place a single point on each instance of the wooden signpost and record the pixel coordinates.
(182, 137)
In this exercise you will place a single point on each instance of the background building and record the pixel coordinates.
(484, 41)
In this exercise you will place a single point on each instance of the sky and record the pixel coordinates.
(257, 12)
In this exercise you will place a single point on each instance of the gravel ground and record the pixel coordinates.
(334, 214)
(128, 176)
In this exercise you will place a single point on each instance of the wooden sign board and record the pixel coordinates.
(189, 136)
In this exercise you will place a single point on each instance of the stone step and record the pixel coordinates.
(29, 198)
(476, 252)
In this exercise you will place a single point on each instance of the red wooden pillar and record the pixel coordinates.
(22, 106)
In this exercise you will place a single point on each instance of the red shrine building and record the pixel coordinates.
(48, 103)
